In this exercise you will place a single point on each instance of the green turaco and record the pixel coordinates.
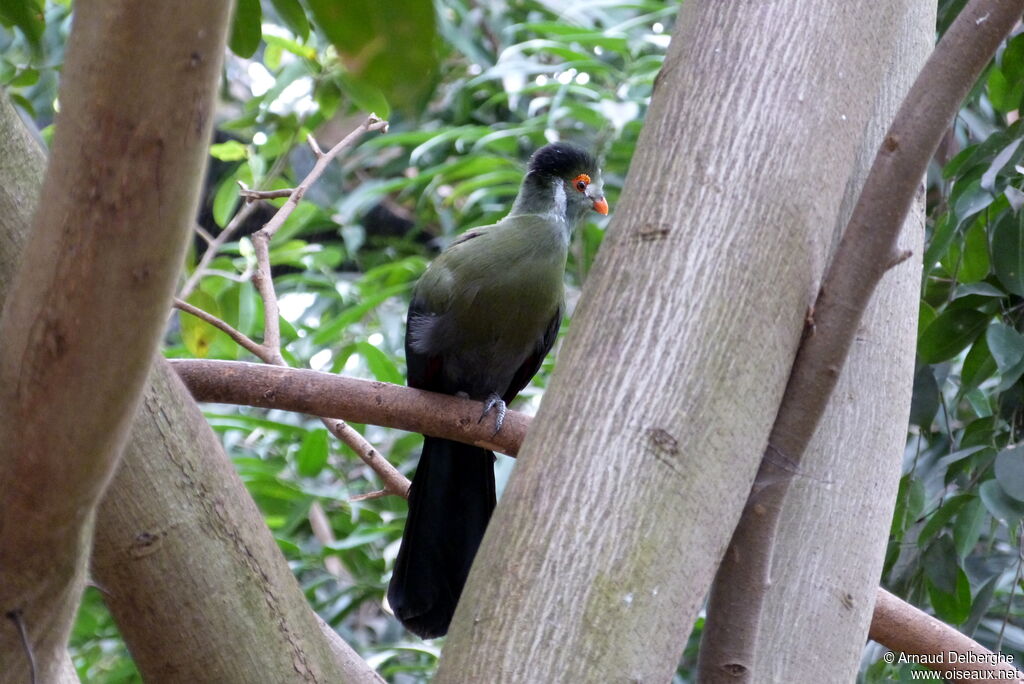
(482, 318)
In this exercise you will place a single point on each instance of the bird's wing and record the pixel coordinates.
(531, 365)
(423, 369)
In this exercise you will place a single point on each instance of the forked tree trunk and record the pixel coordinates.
(831, 543)
(636, 469)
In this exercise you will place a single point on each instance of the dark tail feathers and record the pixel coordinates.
(450, 502)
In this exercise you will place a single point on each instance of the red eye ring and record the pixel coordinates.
(581, 182)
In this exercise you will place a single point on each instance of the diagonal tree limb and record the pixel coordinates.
(867, 250)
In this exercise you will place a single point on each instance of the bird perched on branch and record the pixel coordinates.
(482, 318)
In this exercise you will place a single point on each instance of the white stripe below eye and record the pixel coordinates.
(559, 205)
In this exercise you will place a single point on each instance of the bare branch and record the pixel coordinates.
(254, 195)
(360, 401)
(900, 626)
(213, 248)
(394, 481)
(239, 337)
(380, 493)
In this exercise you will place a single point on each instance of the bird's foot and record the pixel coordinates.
(495, 403)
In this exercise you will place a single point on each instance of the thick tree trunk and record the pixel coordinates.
(195, 580)
(632, 477)
(831, 543)
(192, 575)
(87, 305)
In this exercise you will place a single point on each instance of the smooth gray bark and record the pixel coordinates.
(832, 538)
(637, 467)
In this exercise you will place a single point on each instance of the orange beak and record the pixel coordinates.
(601, 206)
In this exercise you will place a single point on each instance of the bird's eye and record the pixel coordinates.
(581, 182)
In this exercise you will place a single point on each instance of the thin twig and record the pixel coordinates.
(380, 493)
(203, 233)
(270, 350)
(394, 481)
(315, 146)
(250, 195)
(213, 248)
(241, 338)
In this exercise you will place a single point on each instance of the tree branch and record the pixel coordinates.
(242, 339)
(360, 401)
(867, 250)
(270, 350)
(901, 627)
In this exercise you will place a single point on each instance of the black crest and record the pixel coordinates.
(561, 160)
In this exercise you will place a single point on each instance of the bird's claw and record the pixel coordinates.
(494, 402)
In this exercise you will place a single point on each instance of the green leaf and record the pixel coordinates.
(939, 241)
(988, 179)
(968, 526)
(1000, 504)
(246, 28)
(226, 198)
(197, 334)
(953, 606)
(1009, 468)
(28, 16)
(293, 16)
(1006, 345)
(925, 399)
(978, 365)
(312, 455)
(950, 333)
(971, 199)
(940, 566)
(925, 315)
(364, 95)
(379, 363)
(975, 263)
(938, 519)
(25, 78)
(390, 45)
(1008, 252)
(229, 151)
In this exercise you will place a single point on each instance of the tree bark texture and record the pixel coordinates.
(832, 538)
(193, 577)
(637, 467)
(87, 305)
(867, 251)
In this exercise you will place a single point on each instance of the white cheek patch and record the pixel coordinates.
(559, 197)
